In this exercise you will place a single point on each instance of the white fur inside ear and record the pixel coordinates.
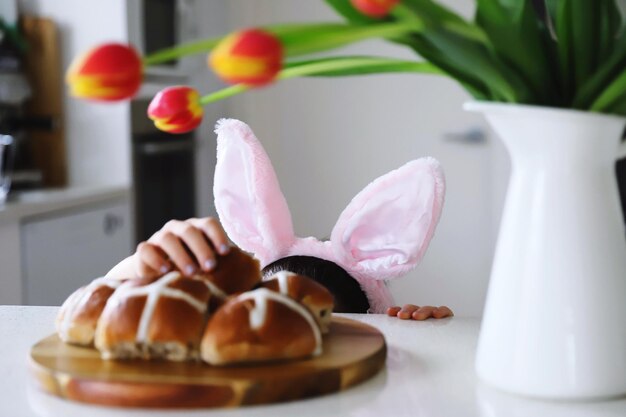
(385, 230)
(248, 199)
(225, 123)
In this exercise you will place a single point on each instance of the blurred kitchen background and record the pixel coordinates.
(91, 180)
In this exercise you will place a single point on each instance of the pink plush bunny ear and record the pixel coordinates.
(248, 199)
(386, 228)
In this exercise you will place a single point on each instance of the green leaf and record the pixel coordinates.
(356, 65)
(13, 35)
(609, 22)
(334, 67)
(317, 39)
(600, 80)
(586, 33)
(521, 42)
(469, 62)
(352, 15)
(438, 17)
(434, 13)
(618, 107)
(612, 95)
(551, 7)
(462, 50)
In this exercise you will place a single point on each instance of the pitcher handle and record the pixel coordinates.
(621, 151)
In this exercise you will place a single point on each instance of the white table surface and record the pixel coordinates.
(429, 372)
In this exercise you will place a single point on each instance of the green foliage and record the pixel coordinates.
(563, 53)
(520, 42)
(586, 33)
(320, 38)
(345, 9)
(560, 53)
(13, 34)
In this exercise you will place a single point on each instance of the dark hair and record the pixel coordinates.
(349, 297)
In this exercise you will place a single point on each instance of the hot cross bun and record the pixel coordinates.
(305, 291)
(260, 325)
(154, 318)
(79, 314)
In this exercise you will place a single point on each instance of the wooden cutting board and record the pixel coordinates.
(353, 352)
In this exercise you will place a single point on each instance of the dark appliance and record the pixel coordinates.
(160, 26)
(163, 174)
(16, 165)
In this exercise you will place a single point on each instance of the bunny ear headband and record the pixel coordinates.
(382, 234)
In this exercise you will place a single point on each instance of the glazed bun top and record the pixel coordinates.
(304, 290)
(299, 287)
(193, 292)
(236, 272)
(259, 326)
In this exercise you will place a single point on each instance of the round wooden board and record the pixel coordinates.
(353, 352)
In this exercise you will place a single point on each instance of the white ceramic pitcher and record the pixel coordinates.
(554, 324)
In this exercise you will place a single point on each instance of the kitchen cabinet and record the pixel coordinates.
(53, 241)
(63, 252)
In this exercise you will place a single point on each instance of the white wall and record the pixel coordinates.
(97, 135)
(328, 138)
(211, 22)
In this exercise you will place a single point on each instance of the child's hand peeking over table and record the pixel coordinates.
(411, 311)
(194, 245)
(188, 246)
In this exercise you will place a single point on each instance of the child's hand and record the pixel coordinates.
(188, 246)
(410, 311)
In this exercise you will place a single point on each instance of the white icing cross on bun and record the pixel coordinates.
(153, 292)
(258, 313)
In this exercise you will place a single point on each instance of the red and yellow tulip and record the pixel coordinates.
(176, 109)
(252, 57)
(108, 72)
(374, 8)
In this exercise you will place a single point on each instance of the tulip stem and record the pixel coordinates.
(206, 45)
(223, 93)
(297, 39)
(191, 48)
(335, 66)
